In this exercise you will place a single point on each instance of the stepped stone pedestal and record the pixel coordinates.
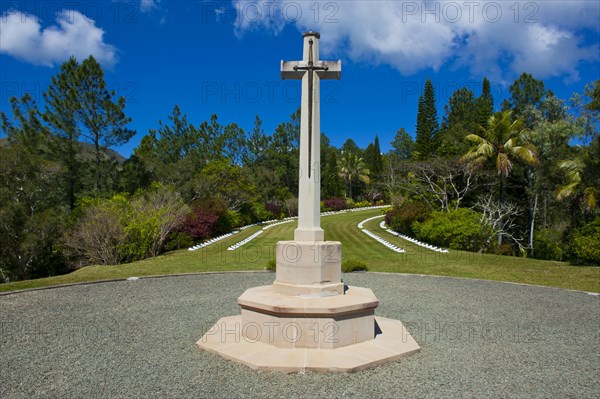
(308, 320)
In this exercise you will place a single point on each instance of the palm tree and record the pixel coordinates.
(353, 167)
(583, 178)
(503, 140)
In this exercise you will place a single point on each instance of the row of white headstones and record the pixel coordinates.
(276, 222)
(269, 224)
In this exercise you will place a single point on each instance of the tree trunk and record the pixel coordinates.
(532, 226)
(97, 147)
(501, 203)
(545, 209)
(350, 186)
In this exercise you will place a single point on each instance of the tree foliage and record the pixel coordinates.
(427, 129)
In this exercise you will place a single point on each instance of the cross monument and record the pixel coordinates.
(308, 320)
(311, 71)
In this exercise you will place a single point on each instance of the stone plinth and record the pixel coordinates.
(304, 322)
(391, 342)
(309, 268)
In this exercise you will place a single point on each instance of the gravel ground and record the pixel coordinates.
(133, 339)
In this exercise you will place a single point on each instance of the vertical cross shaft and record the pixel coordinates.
(310, 70)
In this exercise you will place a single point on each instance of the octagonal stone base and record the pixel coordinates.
(308, 322)
(391, 342)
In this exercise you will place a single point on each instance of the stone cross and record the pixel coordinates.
(310, 70)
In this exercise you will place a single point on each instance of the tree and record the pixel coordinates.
(551, 135)
(427, 123)
(352, 168)
(30, 219)
(485, 102)
(594, 93)
(283, 156)
(460, 118)
(103, 120)
(256, 144)
(499, 219)
(28, 132)
(78, 105)
(441, 184)
(373, 160)
(331, 187)
(402, 146)
(503, 140)
(525, 91)
(351, 146)
(583, 177)
(587, 111)
(61, 105)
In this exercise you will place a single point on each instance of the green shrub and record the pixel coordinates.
(361, 204)
(178, 240)
(457, 229)
(586, 244)
(124, 229)
(261, 213)
(401, 218)
(353, 265)
(548, 245)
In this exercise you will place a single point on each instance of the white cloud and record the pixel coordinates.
(491, 37)
(148, 5)
(22, 37)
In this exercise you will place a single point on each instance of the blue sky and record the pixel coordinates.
(223, 57)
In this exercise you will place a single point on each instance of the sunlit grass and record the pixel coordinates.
(355, 245)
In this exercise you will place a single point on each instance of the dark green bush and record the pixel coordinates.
(402, 217)
(457, 229)
(585, 245)
(548, 245)
(353, 265)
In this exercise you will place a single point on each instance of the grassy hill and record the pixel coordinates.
(355, 245)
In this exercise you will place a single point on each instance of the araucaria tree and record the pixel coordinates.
(503, 140)
(427, 123)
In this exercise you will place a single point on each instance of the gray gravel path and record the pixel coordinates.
(133, 339)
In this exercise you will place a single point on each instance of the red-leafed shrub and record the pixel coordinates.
(334, 204)
(274, 208)
(200, 224)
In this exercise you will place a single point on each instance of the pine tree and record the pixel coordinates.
(403, 145)
(427, 123)
(485, 103)
(78, 105)
(525, 91)
(460, 119)
(61, 105)
(373, 159)
(256, 144)
(103, 119)
(332, 185)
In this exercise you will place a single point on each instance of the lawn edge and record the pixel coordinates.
(49, 287)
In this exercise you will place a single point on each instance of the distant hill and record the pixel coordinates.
(87, 151)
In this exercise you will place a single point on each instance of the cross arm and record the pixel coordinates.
(288, 72)
(333, 69)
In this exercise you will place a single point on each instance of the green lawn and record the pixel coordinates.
(355, 245)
